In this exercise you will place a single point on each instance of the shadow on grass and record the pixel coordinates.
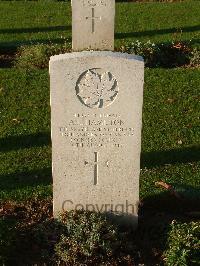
(7, 47)
(7, 60)
(123, 35)
(24, 179)
(182, 155)
(120, 35)
(13, 45)
(166, 202)
(25, 141)
(148, 159)
(36, 29)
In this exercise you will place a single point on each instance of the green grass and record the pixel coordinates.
(44, 22)
(25, 133)
(158, 21)
(171, 115)
(171, 112)
(171, 121)
(33, 22)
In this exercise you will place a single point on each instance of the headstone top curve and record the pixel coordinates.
(95, 54)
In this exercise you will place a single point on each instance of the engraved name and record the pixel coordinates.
(92, 3)
(95, 132)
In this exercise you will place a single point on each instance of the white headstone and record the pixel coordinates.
(93, 24)
(96, 112)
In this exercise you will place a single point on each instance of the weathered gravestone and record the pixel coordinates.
(96, 115)
(93, 24)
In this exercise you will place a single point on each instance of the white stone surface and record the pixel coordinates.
(96, 119)
(93, 24)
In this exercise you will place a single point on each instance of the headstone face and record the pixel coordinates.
(93, 24)
(96, 112)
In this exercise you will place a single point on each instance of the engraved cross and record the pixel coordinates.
(95, 167)
(93, 19)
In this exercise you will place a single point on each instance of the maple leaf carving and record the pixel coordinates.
(96, 89)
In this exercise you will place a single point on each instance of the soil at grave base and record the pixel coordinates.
(149, 238)
(7, 60)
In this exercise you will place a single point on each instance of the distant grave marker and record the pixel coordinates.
(93, 24)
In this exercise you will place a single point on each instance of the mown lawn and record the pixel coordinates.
(50, 22)
(25, 133)
(171, 131)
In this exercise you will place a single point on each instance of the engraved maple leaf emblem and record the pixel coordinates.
(96, 88)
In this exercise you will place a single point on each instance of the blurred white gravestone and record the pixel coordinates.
(93, 24)
(96, 120)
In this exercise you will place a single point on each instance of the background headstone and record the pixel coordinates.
(96, 112)
(93, 24)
